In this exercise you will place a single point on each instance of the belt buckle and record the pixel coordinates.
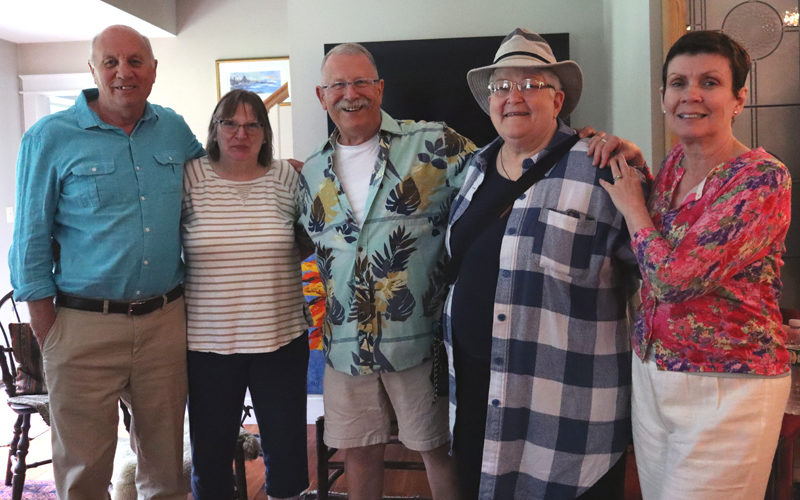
(132, 305)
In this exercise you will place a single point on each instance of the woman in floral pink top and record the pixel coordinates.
(710, 382)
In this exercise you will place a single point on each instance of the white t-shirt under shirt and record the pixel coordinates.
(353, 165)
(243, 278)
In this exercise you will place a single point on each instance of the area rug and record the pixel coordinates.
(34, 490)
(312, 495)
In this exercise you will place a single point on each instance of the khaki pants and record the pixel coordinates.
(91, 360)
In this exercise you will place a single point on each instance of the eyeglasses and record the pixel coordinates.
(501, 88)
(341, 86)
(230, 127)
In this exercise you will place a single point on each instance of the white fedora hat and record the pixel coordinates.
(523, 49)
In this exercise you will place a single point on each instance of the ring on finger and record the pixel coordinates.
(603, 139)
(617, 177)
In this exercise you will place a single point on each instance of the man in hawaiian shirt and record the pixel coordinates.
(375, 197)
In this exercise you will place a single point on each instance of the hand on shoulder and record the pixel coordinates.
(603, 147)
(297, 165)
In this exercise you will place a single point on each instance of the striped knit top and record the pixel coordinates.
(243, 277)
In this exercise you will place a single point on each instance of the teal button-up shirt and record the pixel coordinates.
(111, 202)
(384, 279)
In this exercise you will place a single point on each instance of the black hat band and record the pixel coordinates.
(522, 53)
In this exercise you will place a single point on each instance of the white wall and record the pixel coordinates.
(634, 59)
(51, 58)
(10, 134)
(186, 80)
(606, 40)
(186, 77)
(209, 30)
(161, 13)
(363, 20)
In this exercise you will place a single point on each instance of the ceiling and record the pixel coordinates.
(38, 21)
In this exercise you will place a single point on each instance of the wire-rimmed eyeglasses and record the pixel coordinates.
(231, 127)
(501, 88)
(361, 83)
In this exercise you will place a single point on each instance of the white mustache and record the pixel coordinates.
(354, 103)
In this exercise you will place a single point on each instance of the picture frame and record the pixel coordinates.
(262, 75)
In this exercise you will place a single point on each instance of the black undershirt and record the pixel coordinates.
(479, 231)
(475, 241)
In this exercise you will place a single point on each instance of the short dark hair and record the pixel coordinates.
(712, 42)
(226, 108)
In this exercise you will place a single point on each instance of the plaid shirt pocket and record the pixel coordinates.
(565, 242)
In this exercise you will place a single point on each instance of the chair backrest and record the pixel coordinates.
(8, 314)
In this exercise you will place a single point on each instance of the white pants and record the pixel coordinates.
(700, 437)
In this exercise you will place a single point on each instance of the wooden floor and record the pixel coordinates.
(397, 483)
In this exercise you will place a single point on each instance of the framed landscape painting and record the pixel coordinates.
(262, 76)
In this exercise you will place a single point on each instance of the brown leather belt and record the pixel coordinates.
(132, 308)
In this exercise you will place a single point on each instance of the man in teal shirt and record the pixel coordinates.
(96, 255)
(376, 197)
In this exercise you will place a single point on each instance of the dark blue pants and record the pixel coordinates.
(277, 383)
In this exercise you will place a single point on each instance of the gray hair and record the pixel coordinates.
(145, 41)
(349, 49)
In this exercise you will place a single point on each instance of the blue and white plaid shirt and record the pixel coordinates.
(559, 394)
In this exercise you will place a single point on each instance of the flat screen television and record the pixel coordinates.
(427, 79)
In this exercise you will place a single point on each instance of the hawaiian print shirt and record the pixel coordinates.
(711, 269)
(385, 279)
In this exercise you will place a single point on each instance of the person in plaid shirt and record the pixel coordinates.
(541, 367)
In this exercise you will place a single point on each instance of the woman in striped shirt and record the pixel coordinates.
(245, 321)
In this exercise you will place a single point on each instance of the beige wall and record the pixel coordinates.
(399, 20)
(186, 79)
(161, 13)
(10, 134)
(591, 26)
(634, 71)
(606, 39)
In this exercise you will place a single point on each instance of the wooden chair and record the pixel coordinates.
(239, 471)
(329, 471)
(23, 405)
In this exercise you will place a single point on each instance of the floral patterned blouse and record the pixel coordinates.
(711, 269)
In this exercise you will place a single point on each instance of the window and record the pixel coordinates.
(45, 94)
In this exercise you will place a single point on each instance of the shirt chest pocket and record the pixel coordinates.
(96, 185)
(168, 172)
(565, 241)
